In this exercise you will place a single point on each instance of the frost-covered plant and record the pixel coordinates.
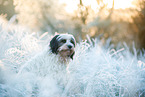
(95, 71)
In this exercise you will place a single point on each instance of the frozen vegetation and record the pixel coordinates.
(95, 71)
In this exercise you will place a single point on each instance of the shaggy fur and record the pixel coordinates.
(52, 61)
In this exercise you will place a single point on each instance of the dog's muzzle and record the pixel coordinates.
(67, 52)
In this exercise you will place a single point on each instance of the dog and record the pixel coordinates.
(53, 59)
(63, 45)
(51, 65)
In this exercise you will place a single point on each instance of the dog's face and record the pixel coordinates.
(63, 45)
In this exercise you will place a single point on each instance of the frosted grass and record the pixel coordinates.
(27, 70)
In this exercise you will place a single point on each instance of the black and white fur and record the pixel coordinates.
(63, 45)
(54, 57)
(51, 63)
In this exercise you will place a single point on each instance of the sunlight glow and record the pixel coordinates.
(119, 4)
(72, 5)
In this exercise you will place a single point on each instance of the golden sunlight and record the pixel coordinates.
(119, 4)
(72, 5)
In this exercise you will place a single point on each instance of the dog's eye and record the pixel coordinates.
(72, 42)
(63, 41)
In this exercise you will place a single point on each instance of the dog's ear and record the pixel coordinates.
(72, 55)
(54, 44)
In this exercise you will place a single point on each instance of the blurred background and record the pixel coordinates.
(120, 20)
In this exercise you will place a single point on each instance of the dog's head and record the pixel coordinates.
(63, 44)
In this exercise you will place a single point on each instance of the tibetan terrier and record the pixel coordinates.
(51, 62)
(54, 57)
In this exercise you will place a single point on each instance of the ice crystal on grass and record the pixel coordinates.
(95, 71)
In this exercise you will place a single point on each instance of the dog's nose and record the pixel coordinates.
(69, 46)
